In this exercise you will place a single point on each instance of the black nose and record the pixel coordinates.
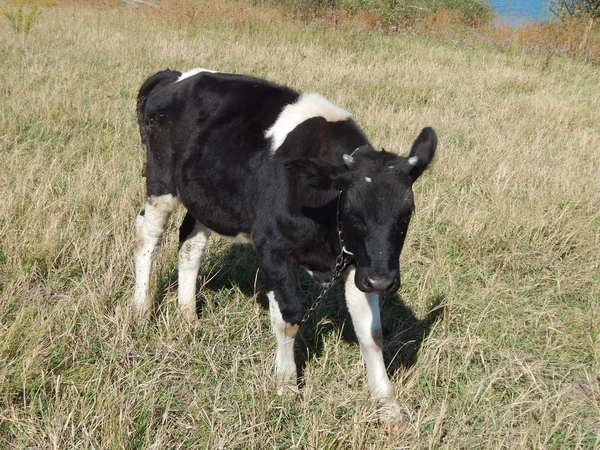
(380, 283)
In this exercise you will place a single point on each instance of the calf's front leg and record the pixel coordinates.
(285, 334)
(364, 310)
(286, 311)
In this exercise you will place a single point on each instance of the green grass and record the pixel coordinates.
(493, 338)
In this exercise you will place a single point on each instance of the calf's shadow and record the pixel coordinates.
(403, 331)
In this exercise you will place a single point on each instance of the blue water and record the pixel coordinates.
(516, 12)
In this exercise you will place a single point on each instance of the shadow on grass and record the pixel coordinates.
(403, 331)
(237, 268)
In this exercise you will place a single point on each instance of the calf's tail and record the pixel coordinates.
(158, 79)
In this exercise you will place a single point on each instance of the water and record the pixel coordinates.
(516, 12)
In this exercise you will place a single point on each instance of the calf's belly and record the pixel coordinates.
(219, 214)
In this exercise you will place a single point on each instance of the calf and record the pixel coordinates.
(293, 173)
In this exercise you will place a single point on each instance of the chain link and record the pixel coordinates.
(341, 262)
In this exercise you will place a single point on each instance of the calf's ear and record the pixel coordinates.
(422, 152)
(315, 172)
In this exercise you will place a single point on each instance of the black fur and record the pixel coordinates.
(186, 228)
(205, 138)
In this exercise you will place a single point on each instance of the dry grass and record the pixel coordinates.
(550, 39)
(505, 246)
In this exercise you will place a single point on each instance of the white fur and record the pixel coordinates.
(190, 255)
(149, 230)
(310, 272)
(192, 72)
(307, 106)
(285, 333)
(364, 310)
(242, 238)
(348, 159)
(368, 179)
(413, 160)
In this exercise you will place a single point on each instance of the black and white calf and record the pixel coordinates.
(254, 159)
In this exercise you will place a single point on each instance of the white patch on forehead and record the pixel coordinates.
(368, 179)
(192, 72)
(307, 106)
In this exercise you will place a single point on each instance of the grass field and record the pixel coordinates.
(493, 339)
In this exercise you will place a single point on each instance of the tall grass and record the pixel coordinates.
(394, 12)
(22, 15)
(493, 339)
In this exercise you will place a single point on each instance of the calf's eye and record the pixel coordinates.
(357, 222)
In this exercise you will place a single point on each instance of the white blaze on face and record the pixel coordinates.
(307, 106)
(192, 72)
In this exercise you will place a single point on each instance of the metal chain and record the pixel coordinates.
(341, 262)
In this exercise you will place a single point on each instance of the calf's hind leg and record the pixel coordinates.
(193, 237)
(149, 227)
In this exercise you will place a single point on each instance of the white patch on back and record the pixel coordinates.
(192, 72)
(309, 105)
(368, 179)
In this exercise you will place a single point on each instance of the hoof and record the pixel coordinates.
(140, 318)
(394, 416)
(288, 389)
(190, 318)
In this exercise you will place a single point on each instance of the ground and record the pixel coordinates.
(493, 339)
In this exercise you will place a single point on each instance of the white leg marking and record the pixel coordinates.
(307, 106)
(149, 230)
(364, 310)
(190, 255)
(192, 72)
(285, 333)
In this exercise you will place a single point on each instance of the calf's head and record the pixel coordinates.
(375, 206)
